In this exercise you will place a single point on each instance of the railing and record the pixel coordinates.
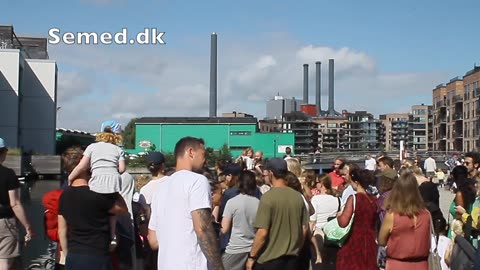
(440, 104)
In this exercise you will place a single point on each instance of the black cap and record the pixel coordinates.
(155, 157)
(233, 169)
(278, 165)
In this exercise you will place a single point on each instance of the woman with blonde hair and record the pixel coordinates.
(428, 190)
(294, 167)
(406, 226)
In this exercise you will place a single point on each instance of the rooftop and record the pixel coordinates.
(197, 120)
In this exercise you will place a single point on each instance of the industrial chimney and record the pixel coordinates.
(318, 87)
(305, 83)
(331, 94)
(213, 76)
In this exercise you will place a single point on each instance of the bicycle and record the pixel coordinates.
(45, 262)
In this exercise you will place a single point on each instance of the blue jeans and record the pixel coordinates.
(90, 262)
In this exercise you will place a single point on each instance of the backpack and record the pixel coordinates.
(463, 255)
(50, 217)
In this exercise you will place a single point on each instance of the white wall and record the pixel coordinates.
(38, 106)
(9, 85)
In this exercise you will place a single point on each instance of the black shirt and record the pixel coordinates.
(86, 213)
(8, 181)
(430, 195)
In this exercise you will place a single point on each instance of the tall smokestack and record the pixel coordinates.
(331, 94)
(213, 76)
(318, 78)
(305, 83)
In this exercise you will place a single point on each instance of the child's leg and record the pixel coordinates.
(113, 227)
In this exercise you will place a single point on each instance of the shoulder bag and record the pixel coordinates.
(336, 235)
(433, 257)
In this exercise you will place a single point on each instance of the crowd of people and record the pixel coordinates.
(248, 213)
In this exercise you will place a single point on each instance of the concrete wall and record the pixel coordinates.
(38, 106)
(10, 63)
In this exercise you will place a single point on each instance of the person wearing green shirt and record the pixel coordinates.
(281, 223)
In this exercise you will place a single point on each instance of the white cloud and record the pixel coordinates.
(160, 81)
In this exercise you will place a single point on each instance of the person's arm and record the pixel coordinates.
(207, 239)
(19, 212)
(152, 239)
(260, 239)
(81, 167)
(347, 213)
(121, 166)
(386, 229)
(226, 225)
(62, 233)
(459, 202)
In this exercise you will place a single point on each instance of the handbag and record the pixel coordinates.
(336, 235)
(433, 257)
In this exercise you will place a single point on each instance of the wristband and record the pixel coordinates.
(252, 257)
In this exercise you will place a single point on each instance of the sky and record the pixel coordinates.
(388, 55)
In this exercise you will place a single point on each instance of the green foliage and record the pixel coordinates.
(129, 134)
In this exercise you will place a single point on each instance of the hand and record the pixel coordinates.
(29, 234)
(250, 263)
(460, 210)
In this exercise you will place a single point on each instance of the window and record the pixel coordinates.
(241, 133)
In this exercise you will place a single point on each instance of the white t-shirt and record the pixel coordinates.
(346, 193)
(249, 162)
(370, 164)
(325, 206)
(147, 191)
(443, 243)
(174, 200)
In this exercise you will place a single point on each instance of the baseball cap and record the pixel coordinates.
(114, 125)
(233, 169)
(278, 165)
(2, 143)
(155, 157)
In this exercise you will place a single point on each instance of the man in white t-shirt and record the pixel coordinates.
(370, 163)
(181, 220)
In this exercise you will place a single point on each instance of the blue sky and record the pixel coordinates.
(394, 50)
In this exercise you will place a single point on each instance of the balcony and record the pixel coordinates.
(457, 99)
(458, 116)
(440, 104)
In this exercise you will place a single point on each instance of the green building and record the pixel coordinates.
(237, 132)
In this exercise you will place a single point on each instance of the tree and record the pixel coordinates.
(129, 134)
(224, 153)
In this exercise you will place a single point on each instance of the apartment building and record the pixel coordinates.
(331, 133)
(420, 128)
(362, 132)
(394, 129)
(455, 91)
(305, 130)
(471, 110)
(440, 118)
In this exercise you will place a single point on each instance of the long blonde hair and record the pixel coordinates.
(405, 198)
(293, 166)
